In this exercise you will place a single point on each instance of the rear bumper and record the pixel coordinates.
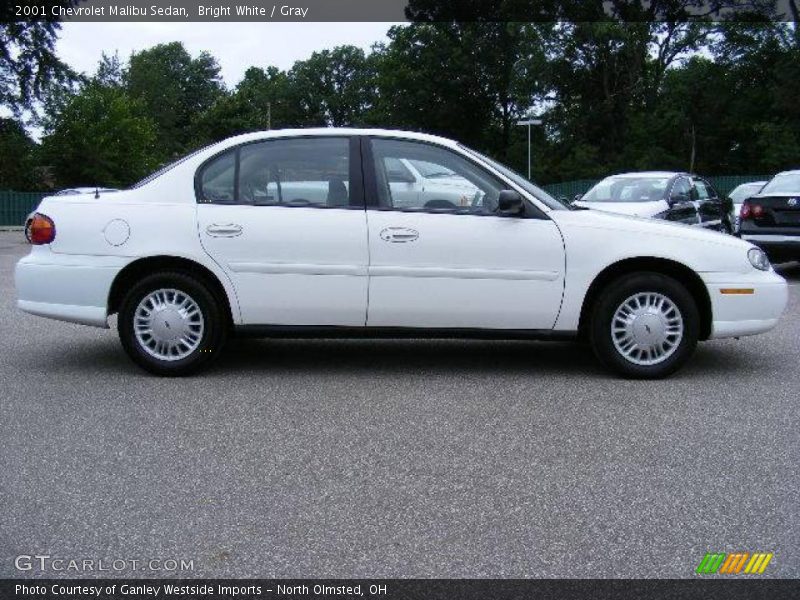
(745, 304)
(66, 287)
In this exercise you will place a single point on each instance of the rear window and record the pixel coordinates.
(788, 183)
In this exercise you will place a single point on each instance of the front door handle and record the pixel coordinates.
(229, 230)
(399, 235)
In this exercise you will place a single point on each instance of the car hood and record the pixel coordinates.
(642, 227)
(636, 209)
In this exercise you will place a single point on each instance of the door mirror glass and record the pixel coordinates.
(509, 202)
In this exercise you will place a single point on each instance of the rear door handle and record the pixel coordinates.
(399, 235)
(229, 230)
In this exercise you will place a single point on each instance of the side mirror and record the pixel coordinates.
(509, 203)
(577, 197)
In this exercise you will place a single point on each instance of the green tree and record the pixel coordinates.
(102, 137)
(175, 89)
(470, 81)
(18, 166)
(332, 87)
(261, 100)
(28, 62)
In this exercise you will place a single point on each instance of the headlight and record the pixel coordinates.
(758, 259)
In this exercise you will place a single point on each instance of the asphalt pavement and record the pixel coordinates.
(408, 458)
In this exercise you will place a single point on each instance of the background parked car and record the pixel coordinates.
(771, 218)
(416, 183)
(678, 197)
(741, 193)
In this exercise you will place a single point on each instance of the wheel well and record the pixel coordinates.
(676, 270)
(133, 272)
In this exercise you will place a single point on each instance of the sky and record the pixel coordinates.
(236, 46)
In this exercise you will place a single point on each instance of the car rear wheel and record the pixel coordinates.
(171, 324)
(644, 325)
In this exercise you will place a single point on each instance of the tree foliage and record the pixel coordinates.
(644, 93)
(102, 137)
(18, 166)
(29, 67)
(175, 89)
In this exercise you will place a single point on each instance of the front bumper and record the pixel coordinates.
(66, 287)
(745, 304)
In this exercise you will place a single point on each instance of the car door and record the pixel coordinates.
(709, 204)
(285, 219)
(682, 208)
(441, 265)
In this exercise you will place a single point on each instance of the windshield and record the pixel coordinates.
(521, 181)
(628, 189)
(787, 183)
(744, 191)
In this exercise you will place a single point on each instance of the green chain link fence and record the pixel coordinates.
(723, 183)
(15, 206)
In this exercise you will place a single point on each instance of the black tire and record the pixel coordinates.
(214, 333)
(613, 296)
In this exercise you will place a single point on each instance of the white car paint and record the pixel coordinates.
(307, 266)
(634, 209)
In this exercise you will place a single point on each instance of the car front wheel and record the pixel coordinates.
(171, 324)
(644, 325)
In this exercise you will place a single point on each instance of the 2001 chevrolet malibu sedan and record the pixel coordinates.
(302, 233)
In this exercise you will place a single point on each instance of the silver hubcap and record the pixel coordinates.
(168, 324)
(647, 328)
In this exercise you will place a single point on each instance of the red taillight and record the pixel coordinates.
(751, 211)
(40, 229)
(744, 213)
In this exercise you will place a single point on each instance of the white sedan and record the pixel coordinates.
(300, 233)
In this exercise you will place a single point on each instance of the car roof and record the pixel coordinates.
(338, 131)
(792, 172)
(649, 174)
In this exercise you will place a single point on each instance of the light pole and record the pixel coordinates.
(529, 122)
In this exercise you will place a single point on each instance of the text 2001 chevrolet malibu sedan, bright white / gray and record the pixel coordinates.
(320, 233)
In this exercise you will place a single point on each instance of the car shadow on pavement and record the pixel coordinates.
(407, 356)
(416, 357)
(411, 357)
